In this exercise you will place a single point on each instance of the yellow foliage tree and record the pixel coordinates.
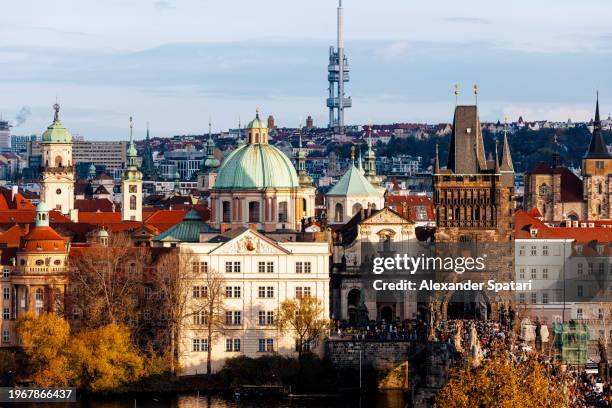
(45, 341)
(500, 382)
(106, 359)
(305, 318)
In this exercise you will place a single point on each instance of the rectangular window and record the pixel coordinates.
(266, 318)
(534, 298)
(5, 336)
(199, 267)
(6, 313)
(545, 250)
(270, 292)
(199, 318)
(199, 345)
(261, 292)
(545, 273)
(147, 292)
(534, 250)
(270, 267)
(522, 273)
(200, 292)
(545, 298)
(522, 250)
(522, 298)
(6, 273)
(303, 267)
(229, 267)
(534, 273)
(579, 313)
(233, 292)
(265, 345)
(265, 292)
(232, 345)
(233, 318)
(302, 291)
(579, 291)
(600, 314)
(261, 267)
(6, 293)
(600, 269)
(237, 267)
(579, 270)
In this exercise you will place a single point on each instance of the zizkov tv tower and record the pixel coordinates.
(337, 75)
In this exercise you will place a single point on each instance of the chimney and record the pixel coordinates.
(14, 192)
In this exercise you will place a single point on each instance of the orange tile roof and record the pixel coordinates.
(100, 217)
(12, 236)
(43, 239)
(525, 222)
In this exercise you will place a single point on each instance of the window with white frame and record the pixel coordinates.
(534, 273)
(199, 267)
(302, 291)
(522, 273)
(579, 268)
(232, 267)
(579, 291)
(6, 313)
(522, 298)
(232, 345)
(534, 298)
(545, 273)
(534, 250)
(199, 318)
(199, 345)
(6, 272)
(303, 267)
(200, 291)
(6, 293)
(265, 345)
(6, 336)
(545, 250)
(233, 292)
(579, 314)
(266, 318)
(522, 250)
(233, 318)
(545, 298)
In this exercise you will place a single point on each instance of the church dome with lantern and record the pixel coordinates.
(260, 185)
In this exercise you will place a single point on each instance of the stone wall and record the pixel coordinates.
(378, 355)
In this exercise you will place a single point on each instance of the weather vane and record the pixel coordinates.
(456, 92)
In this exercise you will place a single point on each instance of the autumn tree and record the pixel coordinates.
(105, 358)
(46, 340)
(173, 277)
(106, 280)
(501, 382)
(305, 319)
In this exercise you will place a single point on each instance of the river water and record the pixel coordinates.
(388, 399)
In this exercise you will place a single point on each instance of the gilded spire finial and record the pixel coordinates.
(131, 127)
(476, 92)
(56, 108)
(353, 154)
(209, 127)
(370, 133)
(257, 112)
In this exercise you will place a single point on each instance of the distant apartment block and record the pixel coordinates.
(109, 154)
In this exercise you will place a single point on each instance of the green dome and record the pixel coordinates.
(56, 132)
(256, 166)
(256, 123)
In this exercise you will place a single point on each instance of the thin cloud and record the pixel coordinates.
(163, 5)
(467, 20)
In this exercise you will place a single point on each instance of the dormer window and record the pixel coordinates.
(579, 249)
(533, 232)
(600, 249)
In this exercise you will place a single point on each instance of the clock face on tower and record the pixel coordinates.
(58, 191)
(133, 188)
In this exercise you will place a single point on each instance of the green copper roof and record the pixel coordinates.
(353, 183)
(131, 151)
(256, 166)
(56, 132)
(188, 230)
(256, 123)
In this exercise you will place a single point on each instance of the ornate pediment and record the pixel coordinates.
(251, 243)
(385, 216)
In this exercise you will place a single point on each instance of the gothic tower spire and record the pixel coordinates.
(597, 147)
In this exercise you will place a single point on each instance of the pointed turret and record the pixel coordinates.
(597, 147)
(148, 166)
(506, 160)
(496, 157)
(131, 185)
(210, 162)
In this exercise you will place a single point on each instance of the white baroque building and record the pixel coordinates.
(260, 273)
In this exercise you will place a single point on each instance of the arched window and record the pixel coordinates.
(254, 211)
(356, 208)
(304, 206)
(227, 212)
(58, 161)
(132, 202)
(339, 213)
(39, 294)
(282, 211)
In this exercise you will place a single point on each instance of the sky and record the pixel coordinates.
(178, 63)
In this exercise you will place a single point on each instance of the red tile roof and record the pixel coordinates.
(571, 185)
(94, 205)
(524, 223)
(43, 239)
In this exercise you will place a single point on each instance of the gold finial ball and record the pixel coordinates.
(456, 87)
(476, 89)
